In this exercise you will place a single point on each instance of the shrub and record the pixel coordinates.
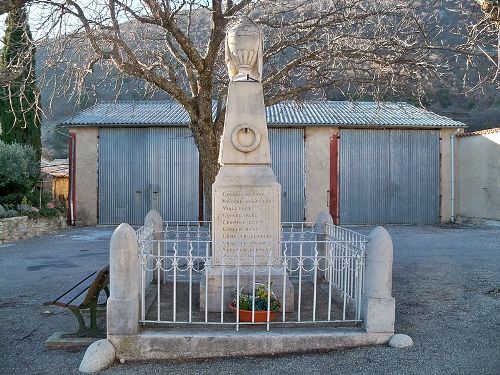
(6, 213)
(19, 169)
(31, 198)
(24, 208)
(11, 200)
(11, 213)
(44, 212)
(35, 198)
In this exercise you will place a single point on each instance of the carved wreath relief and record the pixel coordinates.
(245, 138)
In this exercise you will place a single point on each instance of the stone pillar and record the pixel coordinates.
(155, 217)
(322, 220)
(124, 276)
(377, 303)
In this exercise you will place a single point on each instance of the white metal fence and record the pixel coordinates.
(346, 275)
(314, 281)
(203, 230)
(145, 239)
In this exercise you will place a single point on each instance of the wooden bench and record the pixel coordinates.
(85, 295)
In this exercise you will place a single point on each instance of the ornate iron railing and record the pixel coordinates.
(145, 240)
(354, 246)
(317, 281)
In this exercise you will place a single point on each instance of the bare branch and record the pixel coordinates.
(10, 5)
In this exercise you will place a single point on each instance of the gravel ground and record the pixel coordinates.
(442, 276)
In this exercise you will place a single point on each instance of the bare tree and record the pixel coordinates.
(485, 36)
(491, 9)
(10, 5)
(311, 46)
(477, 43)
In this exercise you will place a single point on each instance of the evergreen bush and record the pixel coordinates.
(19, 170)
(20, 99)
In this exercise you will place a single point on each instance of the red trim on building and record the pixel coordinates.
(72, 176)
(333, 197)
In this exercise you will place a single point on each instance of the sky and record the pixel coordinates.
(36, 14)
(2, 28)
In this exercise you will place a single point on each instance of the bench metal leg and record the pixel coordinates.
(93, 317)
(106, 290)
(83, 330)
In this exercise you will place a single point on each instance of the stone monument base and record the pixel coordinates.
(230, 282)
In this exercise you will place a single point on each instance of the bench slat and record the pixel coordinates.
(101, 280)
(78, 301)
(75, 292)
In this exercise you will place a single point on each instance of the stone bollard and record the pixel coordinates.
(377, 303)
(322, 220)
(124, 276)
(154, 217)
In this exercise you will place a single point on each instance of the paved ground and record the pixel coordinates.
(442, 276)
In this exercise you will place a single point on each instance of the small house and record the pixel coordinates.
(55, 178)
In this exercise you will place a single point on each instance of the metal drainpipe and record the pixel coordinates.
(71, 178)
(452, 146)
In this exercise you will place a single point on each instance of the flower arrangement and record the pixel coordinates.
(247, 313)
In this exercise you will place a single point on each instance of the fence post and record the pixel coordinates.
(378, 305)
(124, 277)
(322, 220)
(155, 218)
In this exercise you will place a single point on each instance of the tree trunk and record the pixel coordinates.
(207, 138)
(210, 167)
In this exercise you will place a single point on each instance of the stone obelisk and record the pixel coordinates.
(246, 204)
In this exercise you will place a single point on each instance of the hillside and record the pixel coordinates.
(479, 110)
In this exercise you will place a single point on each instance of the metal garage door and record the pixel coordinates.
(287, 155)
(389, 176)
(140, 169)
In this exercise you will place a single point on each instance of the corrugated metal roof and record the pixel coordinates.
(289, 113)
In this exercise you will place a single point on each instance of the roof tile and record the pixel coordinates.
(288, 113)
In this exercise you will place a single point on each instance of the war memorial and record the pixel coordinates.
(177, 290)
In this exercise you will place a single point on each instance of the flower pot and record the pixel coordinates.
(260, 315)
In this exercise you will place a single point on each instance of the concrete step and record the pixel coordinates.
(212, 342)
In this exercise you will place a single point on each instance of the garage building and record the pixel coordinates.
(367, 162)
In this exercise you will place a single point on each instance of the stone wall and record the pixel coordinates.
(19, 228)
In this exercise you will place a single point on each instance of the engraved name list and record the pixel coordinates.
(245, 219)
